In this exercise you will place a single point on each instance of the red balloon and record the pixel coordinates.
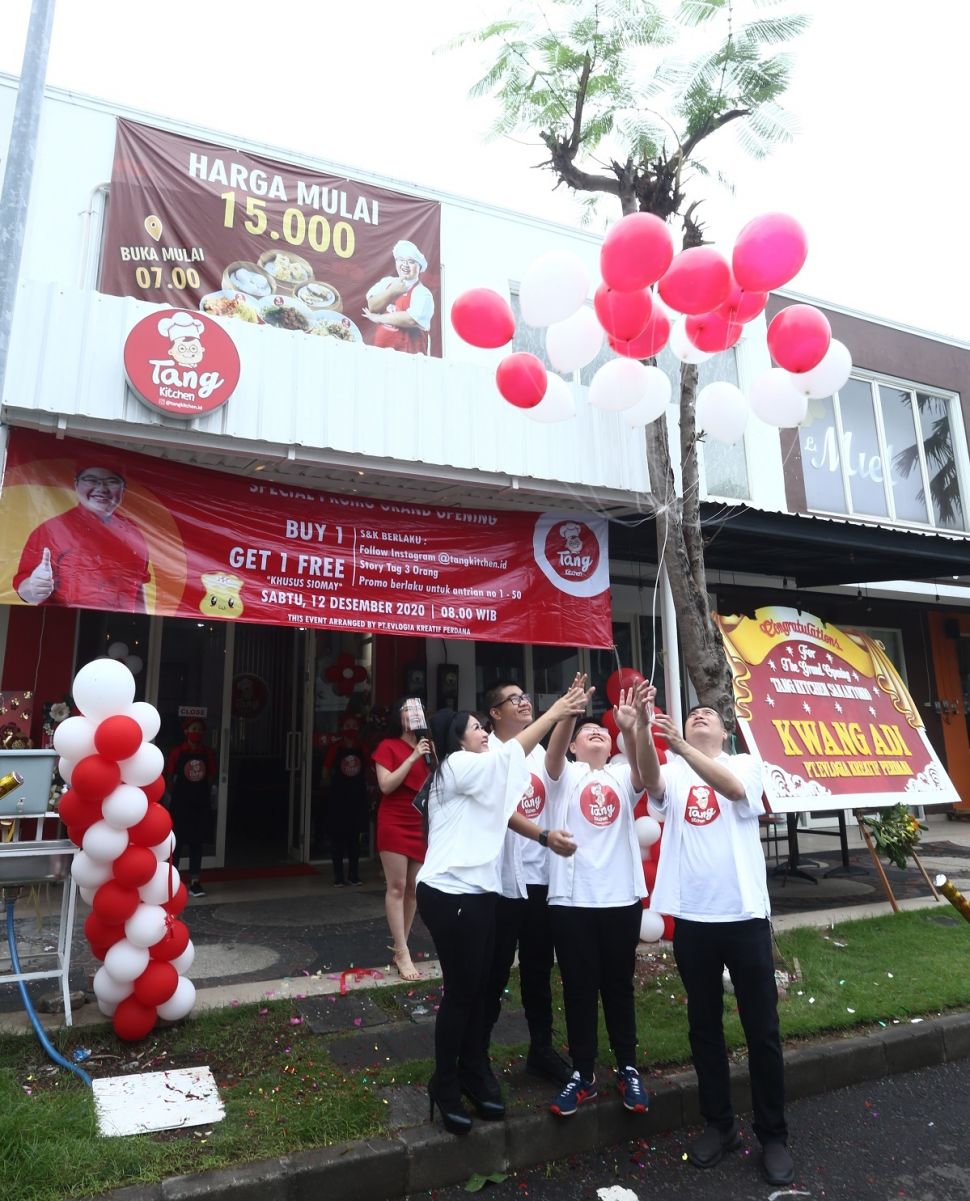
(135, 866)
(521, 378)
(101, 933)
(651, 339)
(156, 790)
(650, 873)
(76, 833)
(668, 934)
(622, 681)
(156, 983)
(153, 828)
(114, 904)
(770, 251)
(99, 950)
(177, 902)
(483, 318)
(94, 777)
(654, 851)
(798, 338)
(173, 943)
(118, 737)
(711, 332)
(77, 811)
(740, 305)
(132, 1020)
(635, 253)
(623, 315)
(698, 280)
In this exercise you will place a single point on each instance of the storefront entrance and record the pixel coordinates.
(950, 642)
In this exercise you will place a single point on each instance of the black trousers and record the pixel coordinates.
(523, 923)
(463, 929)
(703, 950)
(345, 843)
(597, 950)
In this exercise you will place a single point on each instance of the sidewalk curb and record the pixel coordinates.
(423, 1157)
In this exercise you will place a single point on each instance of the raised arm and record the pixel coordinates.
(562, 735)
(720, 778)
(648, 765)
(568, 706)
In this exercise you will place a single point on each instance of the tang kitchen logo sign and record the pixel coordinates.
(181, 363)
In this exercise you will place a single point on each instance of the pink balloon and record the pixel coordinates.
(698, 280)
(770, 251)
(622, 314)
(798, 337)
(650, 341)
(711, 332)
(483, 318)
(740, 305)
(636, 252)
(521, 379)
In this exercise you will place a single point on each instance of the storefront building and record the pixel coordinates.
(359, 516)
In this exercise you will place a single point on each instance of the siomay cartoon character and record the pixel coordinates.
(221, 594)
(185, 332)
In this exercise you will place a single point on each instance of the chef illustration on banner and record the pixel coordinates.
(185, 333)
(401, 306)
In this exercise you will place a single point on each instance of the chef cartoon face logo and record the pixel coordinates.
(572, 550)
(181, 363)
(533, 799)
(221, 597)
(194, 771)
(702, 807)
(599, 804)
(185, 334)
(350, 766)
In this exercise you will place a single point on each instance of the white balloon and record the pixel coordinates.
(126, 962)
(147, 717)
(91, 873)
(179, 1004)
(651, 926)
(682, 347)
(573, 343)
(65, 769)
(183, 962)
(146, 926)
(653, 403)
(165, 850)
(86, 894)
(828, 376)
(104, 842)
(648, 831)
(103, 688)
(558, 404)
(134, 664)
(125, 806)
(110, 990)
(74, 738)
(162, 886)
(553, 287)
(619, 384)
(144, 767)
(108, 1008)
(118, 650)
(722, 411)
(775, 398)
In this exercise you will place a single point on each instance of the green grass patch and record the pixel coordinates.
(283, 1092)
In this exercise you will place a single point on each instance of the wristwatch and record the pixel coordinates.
(543, 838)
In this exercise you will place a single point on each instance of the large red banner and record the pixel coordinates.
(829, 715)
(86, 527)
(194, 224)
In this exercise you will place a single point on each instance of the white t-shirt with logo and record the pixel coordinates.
(524, 861)
(712, 867)
(597, 809)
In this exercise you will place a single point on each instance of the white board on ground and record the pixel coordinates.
(157, 1101)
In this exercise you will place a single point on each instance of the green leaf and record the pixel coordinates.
(476, 1182)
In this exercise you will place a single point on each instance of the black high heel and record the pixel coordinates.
(488, 1111)
(484, 1095)
(454, 1119)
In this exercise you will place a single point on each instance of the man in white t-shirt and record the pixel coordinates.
(522, 916)
(711, 878)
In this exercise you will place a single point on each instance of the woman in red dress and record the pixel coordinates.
(401, 770)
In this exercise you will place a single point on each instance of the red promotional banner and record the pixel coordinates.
(88, 527)
(829, 715)
(193, 224)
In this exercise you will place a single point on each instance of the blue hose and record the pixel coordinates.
(41, 1033)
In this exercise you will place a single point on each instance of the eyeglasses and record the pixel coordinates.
(519, 699)
(113, 481)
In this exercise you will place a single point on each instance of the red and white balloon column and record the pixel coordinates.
(123, 868)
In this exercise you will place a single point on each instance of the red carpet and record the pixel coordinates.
(259, 873)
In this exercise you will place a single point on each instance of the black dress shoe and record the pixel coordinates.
(549, 1064)
(708, 1148)
(777, 1164)
(454, 1116)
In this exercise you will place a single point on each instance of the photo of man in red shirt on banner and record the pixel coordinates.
(90, 557)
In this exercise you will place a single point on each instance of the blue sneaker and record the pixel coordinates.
(635, 1096)
(576, 1092)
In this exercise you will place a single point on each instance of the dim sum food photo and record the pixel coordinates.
(249, 278)
(286, 269)
(285, 312)
(336, 327)
(318, 295)
(230, 304)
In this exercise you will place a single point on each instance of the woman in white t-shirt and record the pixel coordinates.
(473, 799)
(595, 904)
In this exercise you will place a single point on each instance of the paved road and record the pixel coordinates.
(902, 1137)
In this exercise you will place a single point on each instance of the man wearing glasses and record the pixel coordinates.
(522, 916)
(92, 556)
